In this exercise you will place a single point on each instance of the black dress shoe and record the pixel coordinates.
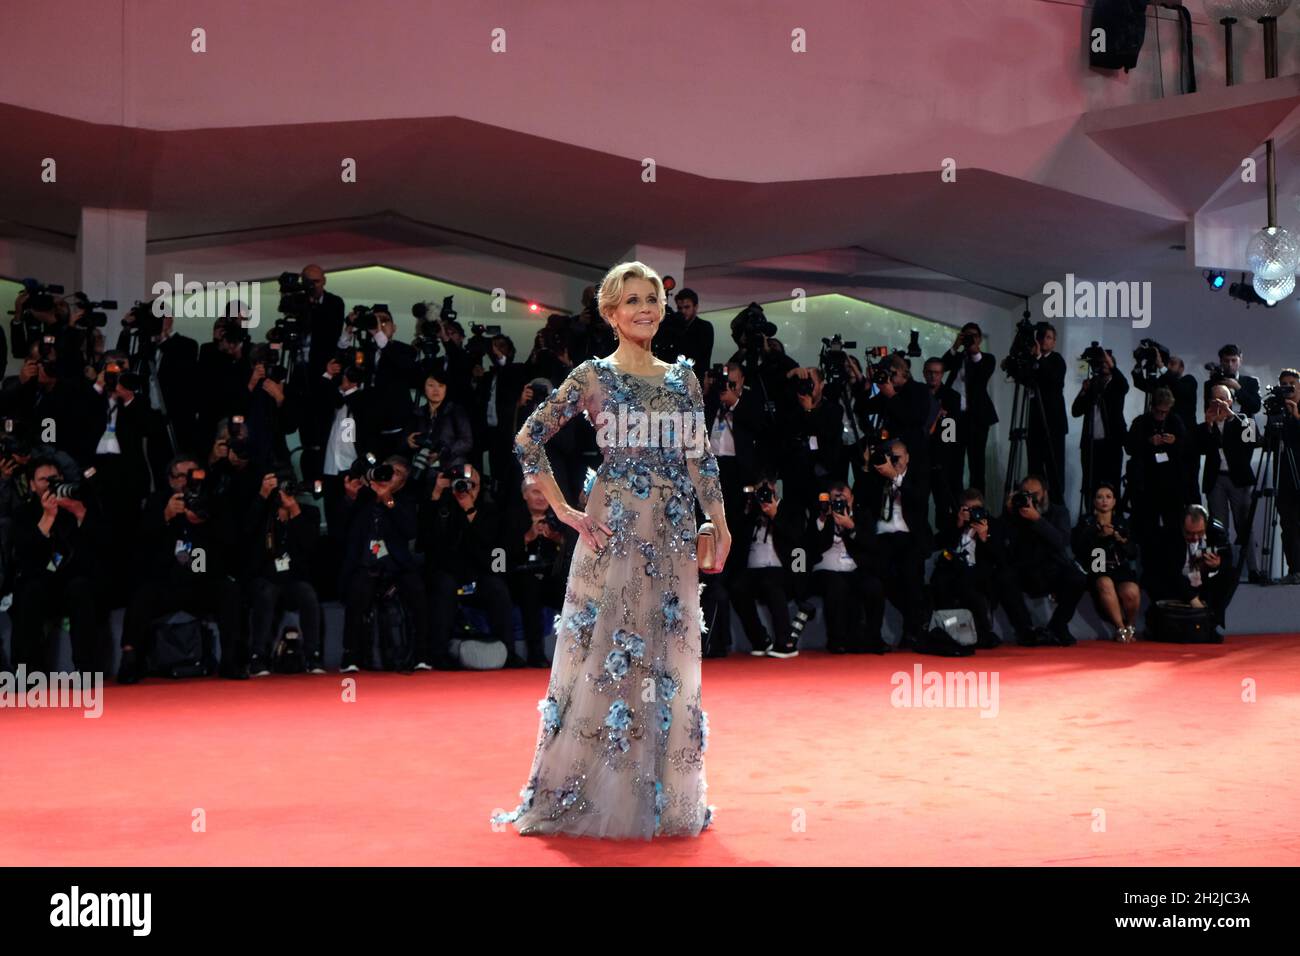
(514, 660)
(447, 663)
(1257, 577)
(837, 649)
(538, 660)
(129, 671)
(988, 642)
(1063, 638)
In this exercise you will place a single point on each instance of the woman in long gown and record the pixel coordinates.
(620, 748)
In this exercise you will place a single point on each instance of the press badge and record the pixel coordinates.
(812, 442)
(379, 549)
(55, 560)
(1162, 457)
(282, 563)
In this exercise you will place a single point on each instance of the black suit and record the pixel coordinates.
(959, 583)
(1048, 425)
(325, 322)
(1039, 561)
(770, 584)
(898, 558)
(1102, 456)
(396, 368)
(979, 415)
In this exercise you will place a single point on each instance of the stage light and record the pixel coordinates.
(1214, 278)
(534, 307)
(1243, 291)
(1273, 291)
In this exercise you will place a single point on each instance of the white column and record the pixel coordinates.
(111, 260)
(665, 261)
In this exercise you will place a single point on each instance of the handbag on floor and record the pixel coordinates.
(1175, 622)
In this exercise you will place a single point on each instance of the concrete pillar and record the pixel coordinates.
(111, 260)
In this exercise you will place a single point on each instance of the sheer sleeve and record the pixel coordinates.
(703, 468)
(554, 412)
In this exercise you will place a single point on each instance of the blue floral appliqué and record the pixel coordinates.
(618, 720)
(550, 711)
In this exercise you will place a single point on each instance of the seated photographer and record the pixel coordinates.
(965, 575)
(1285, 398)
(377, 560)
(439, 435)
(897, 537)
(540, 547)
(1100, 403)
(767, 532)
(1104, 547)
(1158, 447)
(459, 531)
(279, 538)
(835, 540)
(1228, 478)
(1202, 574)
(186, 555)
(1036, 540)
(55, 545)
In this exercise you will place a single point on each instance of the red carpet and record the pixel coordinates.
(1099, 754)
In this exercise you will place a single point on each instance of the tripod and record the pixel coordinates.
(1275, 456)
(1270, 464)
(1023, 397)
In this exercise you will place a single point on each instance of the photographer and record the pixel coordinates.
(169, 365)
(377, 560)
(734, 420)
(897, 538)
(969, 370)
(1104, 546)
(56, 542)
(185, 558)
(343, 427)
(323, 321)
(1154, 368)
(1202, 574)
(1225, 441)
(496, 389)
(766, 535)
(902, 408)
(813, 453)
(540, 549)
(946, 457)
(965, 575)
(459, 531)
(1288, 484)
(1100, 403)
(279, 538)
(837, 537)
(395, 374)
(1244, 388)
(439, 433)
(1048, 426)
(1158, 446)
(58, 407)
(1036, 539)
(765, 364)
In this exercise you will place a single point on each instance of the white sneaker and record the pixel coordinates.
(422, 666)
(349, 669)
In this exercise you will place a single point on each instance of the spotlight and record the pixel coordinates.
(1244, 291)
(533, 307)
(1214, 278)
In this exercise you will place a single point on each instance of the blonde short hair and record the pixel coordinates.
(611, 287)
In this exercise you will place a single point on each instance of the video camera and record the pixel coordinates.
(92, 318)
(1147, 354)
(1094, 356)
(750, 327)
(1276, 397)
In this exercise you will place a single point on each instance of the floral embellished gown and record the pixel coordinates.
(620, 747)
